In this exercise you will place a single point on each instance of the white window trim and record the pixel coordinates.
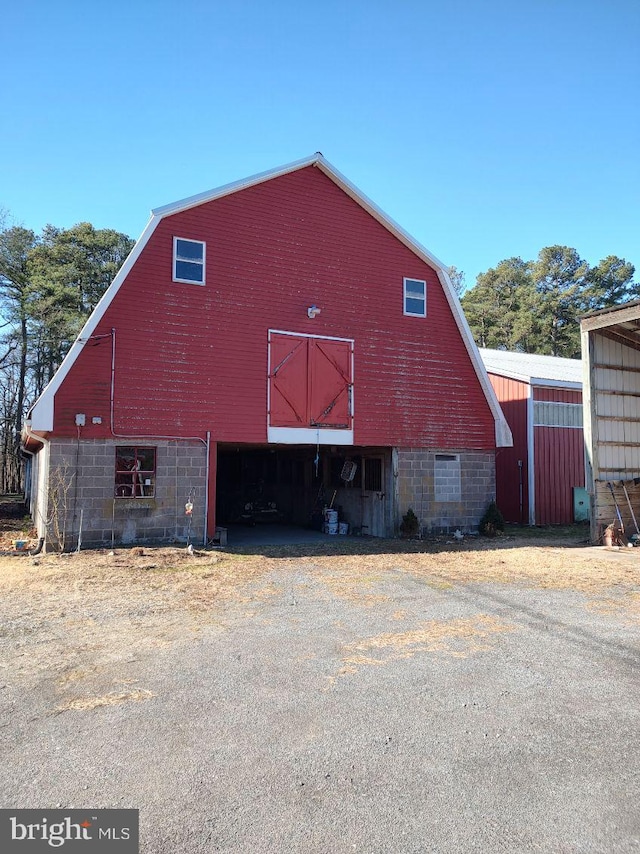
(404, 297)
(204, 260)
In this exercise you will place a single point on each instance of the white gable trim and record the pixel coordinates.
(41, 414)
(504, 439)
(42, 411)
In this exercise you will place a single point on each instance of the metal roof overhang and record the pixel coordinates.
(620, 324)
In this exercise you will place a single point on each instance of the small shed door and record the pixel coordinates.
(373, 496)
(310, 382)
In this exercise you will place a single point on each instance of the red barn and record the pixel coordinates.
(257, 338)
(540, 480)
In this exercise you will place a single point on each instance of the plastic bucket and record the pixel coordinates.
(331, 517)
(331, 528)
(343, 527)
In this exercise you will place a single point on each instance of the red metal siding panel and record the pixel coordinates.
(559, 466)
(193, 358)
(557, 395)
(512, 395)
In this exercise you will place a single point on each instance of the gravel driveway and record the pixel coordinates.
(370, 703)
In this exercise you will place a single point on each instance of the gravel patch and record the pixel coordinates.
(384, 697)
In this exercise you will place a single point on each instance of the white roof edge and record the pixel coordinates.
(235, 186)
(503, 436)
(512, 375)
(377, 213)
(527, 378)
(42, 411)
(556, 383)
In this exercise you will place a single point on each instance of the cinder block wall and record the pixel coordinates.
(445, 494)
(88, 470)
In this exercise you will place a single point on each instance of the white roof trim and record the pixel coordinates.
(527, 378)
(504, 439)
(42, 411)
(556, 383)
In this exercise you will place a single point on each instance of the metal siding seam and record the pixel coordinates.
(531, 458)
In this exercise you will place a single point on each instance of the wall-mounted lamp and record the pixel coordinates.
(313, 311)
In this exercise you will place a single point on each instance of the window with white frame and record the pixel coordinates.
(549, 414)
(188, 260)
(446, 477)
(415, 297)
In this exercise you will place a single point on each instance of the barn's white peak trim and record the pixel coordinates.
(42, 412)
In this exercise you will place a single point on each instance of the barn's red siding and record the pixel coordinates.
(512, 395)
(191, 358)
(558, 456)
(557, 395)
(559, 462)
(559, 466)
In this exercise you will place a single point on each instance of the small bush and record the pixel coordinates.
(492, 522)
(410, 525)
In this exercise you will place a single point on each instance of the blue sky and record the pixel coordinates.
(487, 129)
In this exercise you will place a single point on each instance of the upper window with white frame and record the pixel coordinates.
(188, 260)
(415, 297)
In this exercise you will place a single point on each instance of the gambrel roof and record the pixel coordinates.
(43, 410)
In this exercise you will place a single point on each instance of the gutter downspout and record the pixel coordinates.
(206, 491)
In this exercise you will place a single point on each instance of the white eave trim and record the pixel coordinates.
(41, 414)
(577, 386)
(527, 378)
(503, 436)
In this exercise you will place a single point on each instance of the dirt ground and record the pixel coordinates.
(248, 675)
(56, 605)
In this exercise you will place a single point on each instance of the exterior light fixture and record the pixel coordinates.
(313, 311)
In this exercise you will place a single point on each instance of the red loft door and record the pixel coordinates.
(310, 382)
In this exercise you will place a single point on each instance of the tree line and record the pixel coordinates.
(49, 284)
(535, 306)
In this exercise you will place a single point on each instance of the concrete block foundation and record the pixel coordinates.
(86, 505)
(445, 489)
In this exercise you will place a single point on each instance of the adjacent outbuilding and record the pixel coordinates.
(269, 349)
(611, 360)
(540, 480)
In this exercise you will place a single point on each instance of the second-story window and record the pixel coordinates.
(415, 297)
(188, 260)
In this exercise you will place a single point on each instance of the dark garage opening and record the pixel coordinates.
(293, 484)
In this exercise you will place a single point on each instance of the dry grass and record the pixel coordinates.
(85, 704)
(457, 637)
(82, 619)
